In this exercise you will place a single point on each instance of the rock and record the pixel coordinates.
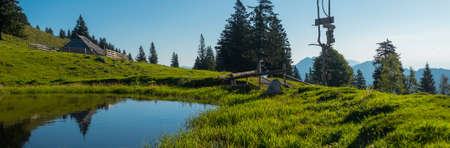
(100, 59)
(274, 88)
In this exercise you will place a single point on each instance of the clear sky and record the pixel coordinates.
(419, 28)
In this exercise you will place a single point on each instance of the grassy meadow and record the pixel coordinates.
(303, 116)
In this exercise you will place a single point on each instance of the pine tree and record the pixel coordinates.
(339, 72)
(174, 61)
(12, 19)
(80, 28)
(296, 73)
(62, 34)
(308, 78)
(37, 27)
(130, 57)
(411, 82)
(269, 38)
(69, 34)
(201, 58)
(210, 60)
(153, 57)
(360, 82)
(49, 30)
(388, 75)
(427, 81)
(141, 56)
(233, 49)
(444, 87)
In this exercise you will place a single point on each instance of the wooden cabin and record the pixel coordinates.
(83, 45)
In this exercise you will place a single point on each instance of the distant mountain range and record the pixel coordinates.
(367, 69)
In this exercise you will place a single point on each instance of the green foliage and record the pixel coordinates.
(388, 75)
(427, 82)
(174, 60)
(49, 31)
(233, 48)
(141, 55)
(153, 57)
(360, 82)
(269, 39)
(339, 72)
(411, 83)
(80, 28)
(205, 59)
(62, 34)
(12, 18)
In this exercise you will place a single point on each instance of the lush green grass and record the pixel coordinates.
(304, 116)
(314, 116)
(22, 66)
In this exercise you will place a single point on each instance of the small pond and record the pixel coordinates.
(77, 121)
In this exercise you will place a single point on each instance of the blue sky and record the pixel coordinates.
(419, 28)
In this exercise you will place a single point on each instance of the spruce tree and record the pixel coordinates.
(339, 72)
(153, 57)
(444, 87)
(130, 57)
(233, 49)
(37, 27)
(411, 82)
(427, 81)
(388, 75)
(269, 38)
(201, 58)
(12, 19)
(360, 82)
(210, 60)
(174, 61)
(62, 34)
(69, 34)
(141, 55)
(80, 28)
(49, 30)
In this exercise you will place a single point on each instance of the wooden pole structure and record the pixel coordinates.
(259, 71)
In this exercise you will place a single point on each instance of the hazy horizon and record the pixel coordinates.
(418, 29)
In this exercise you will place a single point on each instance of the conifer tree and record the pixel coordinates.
(388, 75)
(153, 57)
(411, 82)
(12, 19)
(210, 60)
(80, 28)
(427, 81)
(444, 87)
(339, 72)
(360, 82)
(141, 55)
(62, 34)
(130, 57)
(201, 58)
(233, 49)
(69, 34)
(269, 38)
(174, 61)
(49, 30)
(308, 78)
(37, 27)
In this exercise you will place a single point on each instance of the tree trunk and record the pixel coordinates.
(1, 38)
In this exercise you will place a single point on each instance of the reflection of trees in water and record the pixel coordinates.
(84, 118)
(13, 136)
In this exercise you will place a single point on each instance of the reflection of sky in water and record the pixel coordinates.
(126, 124)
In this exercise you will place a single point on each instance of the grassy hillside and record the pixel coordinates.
(20, 65)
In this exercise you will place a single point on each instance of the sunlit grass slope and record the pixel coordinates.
(20, 65)
(313, 116)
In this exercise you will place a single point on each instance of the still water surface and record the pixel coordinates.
(107, 122)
